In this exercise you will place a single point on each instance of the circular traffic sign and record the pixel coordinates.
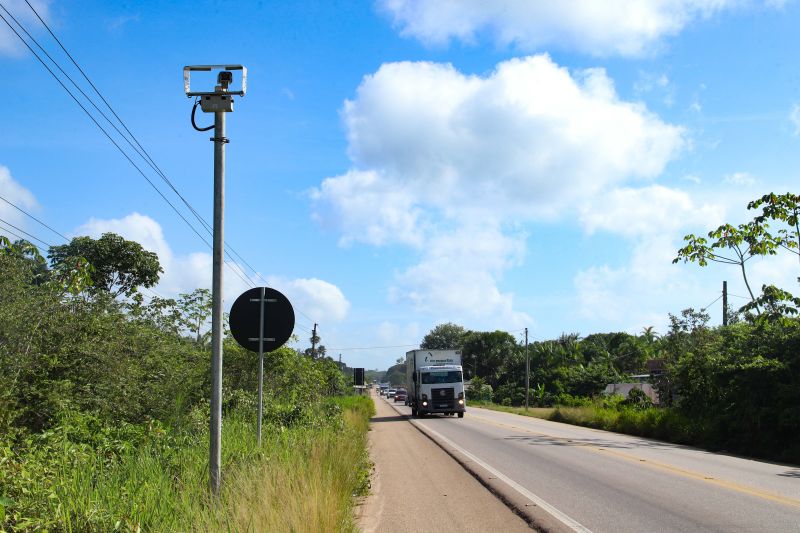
(245, 319)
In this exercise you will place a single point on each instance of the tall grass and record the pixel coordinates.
(301, 478)
(659, 423)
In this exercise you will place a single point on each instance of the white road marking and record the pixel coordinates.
(571, 523)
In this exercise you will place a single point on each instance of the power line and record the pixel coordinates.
(21, 238)
(374, 347)
(238, 270)
(712, 303)
(34, 218)
(141, 151)
(738, 296)
(26, 233)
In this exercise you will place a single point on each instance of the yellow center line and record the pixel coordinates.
(657, 465)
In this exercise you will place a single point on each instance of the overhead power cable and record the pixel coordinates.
(238, 270)
(374, 347)
(25, 232)
(143, 153)
(34, 218)
(712, 303)
(119, 148)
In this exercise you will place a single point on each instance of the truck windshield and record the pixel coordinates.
(443, 376)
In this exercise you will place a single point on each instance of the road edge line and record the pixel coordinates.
(537, 513)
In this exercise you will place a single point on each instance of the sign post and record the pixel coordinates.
(254, 332)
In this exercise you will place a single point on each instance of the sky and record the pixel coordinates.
(398, 164)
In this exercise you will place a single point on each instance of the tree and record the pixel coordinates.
(744, 242)
(196, 308)
(784, 208)
(119, 266)
(447, 336)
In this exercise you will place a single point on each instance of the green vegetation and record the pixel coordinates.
(104, 412)
(734, 387)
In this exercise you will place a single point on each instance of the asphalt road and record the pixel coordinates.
(593, 480)
(417, 487)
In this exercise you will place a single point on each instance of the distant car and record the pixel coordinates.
(401, 395)
(390, 393)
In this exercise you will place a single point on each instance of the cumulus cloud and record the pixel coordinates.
(741, 179)
(647, 211)
(369, 208)
(16, 194)
(610, 27)
(9, 43)
(447, 163)
(184, 273)
(319, 299)
(458, 276)
(641, 291)
(794, 118)
(529, 138)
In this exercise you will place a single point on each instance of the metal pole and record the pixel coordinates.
(216, 302)
(527, 371)
(261, 366)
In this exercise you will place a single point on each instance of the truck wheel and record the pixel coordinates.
(460, 415)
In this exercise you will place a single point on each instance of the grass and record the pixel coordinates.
(658, 423)
(302, 478)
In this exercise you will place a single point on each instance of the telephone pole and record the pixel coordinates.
(314, 342)
(724, 303)
(527, 371)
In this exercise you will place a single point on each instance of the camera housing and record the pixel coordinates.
(225, 79)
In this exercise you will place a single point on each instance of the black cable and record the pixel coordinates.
(143, 153)
(34, 218)
(26, 233)
(712, 303)
(194, 124)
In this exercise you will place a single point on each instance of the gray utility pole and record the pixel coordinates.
(527, 371)
(724, 303)
(314, 342)
(219, 102)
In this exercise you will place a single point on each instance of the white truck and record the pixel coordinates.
(435, 382)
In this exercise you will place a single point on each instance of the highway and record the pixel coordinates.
(591, 480)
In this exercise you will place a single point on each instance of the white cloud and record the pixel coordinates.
(444, 162)
(647, 211)
(794, 118)
(185, 273)
(321, 300)
(368, 207)
(529, 138)
(644, 290)
(624, 27)
(741, 179)
(458, 274)
(18, 195)
(9, 43)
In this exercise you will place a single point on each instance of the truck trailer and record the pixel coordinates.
(435, 381)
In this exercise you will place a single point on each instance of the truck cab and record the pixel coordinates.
(439, 389)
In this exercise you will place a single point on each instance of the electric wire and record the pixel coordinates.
(25, 232)
(34, 218)
(712, 303)
(144, 154)
(21, 238)
(119, 148)
(373, 347)
(738, 296)
(141, 151)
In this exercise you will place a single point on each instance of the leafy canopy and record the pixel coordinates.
(119, 266)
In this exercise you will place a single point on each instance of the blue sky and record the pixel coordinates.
(400, 163)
